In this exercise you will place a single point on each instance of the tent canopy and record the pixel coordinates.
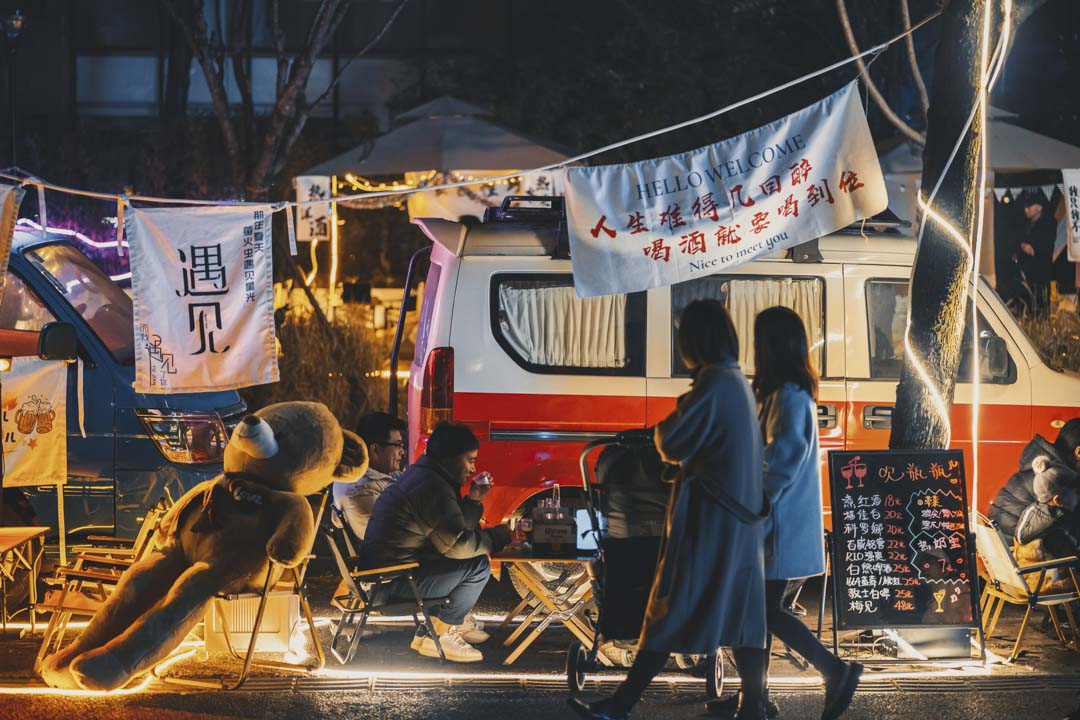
(444, 134)
(1012, 149)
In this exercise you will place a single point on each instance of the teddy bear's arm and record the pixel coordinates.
(295, 531)
(170, 521)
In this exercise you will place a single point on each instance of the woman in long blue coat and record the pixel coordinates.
(709, 585)
(786, 386)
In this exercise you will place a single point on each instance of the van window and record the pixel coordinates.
(887, 311)
(20, 308)
(101, 302)
(427, 308)
(545, 327)
(746, 296)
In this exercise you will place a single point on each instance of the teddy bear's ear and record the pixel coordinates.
(354, 458)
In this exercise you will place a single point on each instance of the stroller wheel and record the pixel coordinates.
(577, 662)
(714, 674)
(687, 662)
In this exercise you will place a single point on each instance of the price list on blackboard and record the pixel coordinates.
(900, 551)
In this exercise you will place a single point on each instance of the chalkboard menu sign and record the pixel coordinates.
(900, 550)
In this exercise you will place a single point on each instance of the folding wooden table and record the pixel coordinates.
(17, 553)
(564, 603)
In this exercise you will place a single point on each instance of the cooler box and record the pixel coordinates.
(280, 619)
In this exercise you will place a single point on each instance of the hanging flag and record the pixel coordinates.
(203, 298)
(999, 193)
(1072, 211)
(313, 221)
(10, 197)
(34, 421)
(474, 200)
(662, 221)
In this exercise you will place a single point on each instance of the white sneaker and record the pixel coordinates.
(472, 630)
(453, 646)
(621, 657)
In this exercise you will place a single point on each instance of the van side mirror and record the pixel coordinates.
(57, 341)
(997, 357)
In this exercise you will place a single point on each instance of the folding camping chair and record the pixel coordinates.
(82, 586)
(364, 592)
(1006, 583)
(265, 622)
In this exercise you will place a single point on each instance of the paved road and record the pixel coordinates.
(471, 705)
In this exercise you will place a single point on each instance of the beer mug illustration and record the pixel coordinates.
(26, 417)
(45, 417)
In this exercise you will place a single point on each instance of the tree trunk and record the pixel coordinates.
(942, 270)
(178, 72)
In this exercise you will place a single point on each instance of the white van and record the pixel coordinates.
(505, 346)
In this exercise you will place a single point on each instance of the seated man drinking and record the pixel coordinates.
(423, 518)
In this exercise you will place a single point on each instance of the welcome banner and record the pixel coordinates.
(10, 197)
(666, 220)
(34, 422)
(203, 298)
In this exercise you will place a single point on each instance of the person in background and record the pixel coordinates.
(710, 583)
(1037, 501)
(1034, 253)
(786, 387)
(424, 518)
(384, 436)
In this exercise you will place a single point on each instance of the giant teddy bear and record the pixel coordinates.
(218, 538)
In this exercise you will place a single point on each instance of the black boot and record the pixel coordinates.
(728, 707)
(603, 709)
(840, 689)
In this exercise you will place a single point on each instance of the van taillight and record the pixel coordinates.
(437, 391)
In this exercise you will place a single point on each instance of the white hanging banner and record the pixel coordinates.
(10, 197)
(1048, 191)
(473, 200)
(1000, 193)
(313, 221)
(34, 422)
(1072, 211)
(663, 221)
(203, 298)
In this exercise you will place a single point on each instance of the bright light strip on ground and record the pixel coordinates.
(58, 692)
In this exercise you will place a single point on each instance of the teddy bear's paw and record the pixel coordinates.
(99, 670)
(58, 674)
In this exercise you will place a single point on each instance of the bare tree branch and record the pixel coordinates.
(879, 99)
(305, 110)
(360, 53)
(279, 47)
(239, 51)
(913, 60)
(196, 38)
(289, 103)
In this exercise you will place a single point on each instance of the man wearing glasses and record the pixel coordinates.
(383, 435)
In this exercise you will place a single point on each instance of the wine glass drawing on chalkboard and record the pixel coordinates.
(856, 468)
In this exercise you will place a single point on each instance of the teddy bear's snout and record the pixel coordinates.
(254, 437)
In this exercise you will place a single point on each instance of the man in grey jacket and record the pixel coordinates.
(424, 518)
(384, 436)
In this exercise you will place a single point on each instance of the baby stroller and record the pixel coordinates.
(630, 495)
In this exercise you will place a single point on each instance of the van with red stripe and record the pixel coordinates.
(505, 346)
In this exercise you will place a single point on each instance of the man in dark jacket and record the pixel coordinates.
(1034, 253)
(1017, 508)
(423, 518)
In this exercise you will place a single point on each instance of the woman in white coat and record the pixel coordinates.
(785, 386)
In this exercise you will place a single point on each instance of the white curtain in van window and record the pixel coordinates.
(203, 298)
(10, 197)
(552, 326)
(746, 298)
(35, 422)
(666, 220)
(1072, 212)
